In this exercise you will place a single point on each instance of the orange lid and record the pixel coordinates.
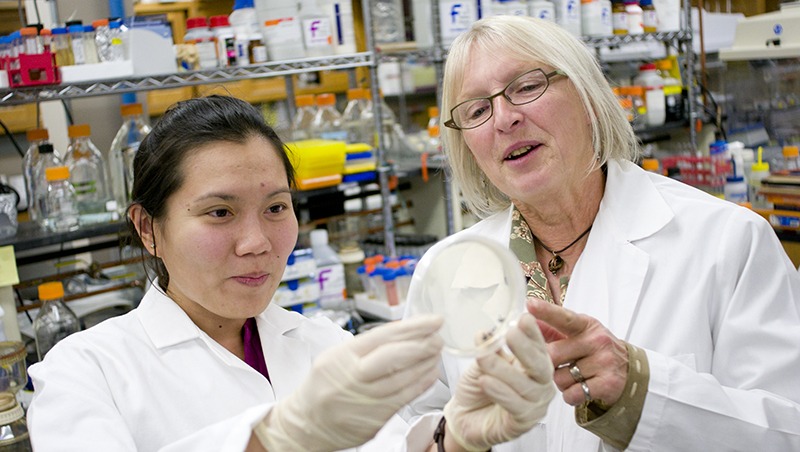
(433, 112)
(29, 31)
(664, 64)
(326, 99)
(637, 91)
(99, 22)
(131, 109)
(791, 151)
(81, 130)
(615, 90)
(37, 134)
(45, 32)
(624, 90)
(57, 173)
(626, 103)
(304, 100)
(51, 291)
(355, 93)
(650, 164)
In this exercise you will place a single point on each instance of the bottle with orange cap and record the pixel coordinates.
(36, 138)
(87, 171)
(328, 121)
(304, 117)
(55, 320)
(60, 212)
(357, 130)
(123, 149)
(433, 128)
(791, 158)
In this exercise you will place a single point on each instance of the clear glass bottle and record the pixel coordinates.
(327, 123)
(48, 158)
(87, 171)
(304, 117)
(15, 437)
(357, 130)
(791, 158)
(123, 150)
(387, 21)
(55, 320)
(61, 213)
(36, 137)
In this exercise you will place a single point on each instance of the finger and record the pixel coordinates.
(565, 321)
(511, 375)
(569, 350)
(574, 394)
(392, 385)
(527, 344)
(412, 328)
(535, 394)
(395, 356)
(549, 333)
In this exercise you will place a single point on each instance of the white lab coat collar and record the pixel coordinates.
(167, 325)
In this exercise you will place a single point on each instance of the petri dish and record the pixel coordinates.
(478, 286)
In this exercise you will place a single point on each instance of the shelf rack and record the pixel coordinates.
(181, 79)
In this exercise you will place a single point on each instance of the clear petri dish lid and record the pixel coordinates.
(479, 288)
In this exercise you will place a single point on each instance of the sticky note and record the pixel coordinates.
(8, 267)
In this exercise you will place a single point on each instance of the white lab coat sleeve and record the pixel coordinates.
(750, 398)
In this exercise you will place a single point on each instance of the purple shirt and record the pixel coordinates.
(253, 354)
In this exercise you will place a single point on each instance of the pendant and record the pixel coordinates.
(555, 264)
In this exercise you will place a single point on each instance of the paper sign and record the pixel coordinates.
(8, 267)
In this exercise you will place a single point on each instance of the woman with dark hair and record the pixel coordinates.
(205, 362)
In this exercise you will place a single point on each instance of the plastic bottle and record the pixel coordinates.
(669, 14)
(673, 92)
(592, 18)
(330, 270)
(328, 121)
(89, 45)
(303, 122)
(542, 9)
(634, 12)
(102, 39)
(653, 85)
(343, 33)
(47, 159)
(758, 172)
(226, 42)
(62, 46)
(123, 150)
(61, 212)
(244, 22)
(649, 17)
(387, 21)
(357, 129)
(736, 189)
(13, 425)
(29, 36)
(47, 40)
(390, 287)
(619, 17)
(351, 257)
(76, 43)
(736, 148)
(55, 320)
(204, 40)
(791, 158)
(606, 17)
(87, 171)
(117, 50)
(568, 15)
(455, 17)
(388, 123)
(283, 32)
(36, 137)
(316, 24)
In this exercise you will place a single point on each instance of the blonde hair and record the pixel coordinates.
(531, 39)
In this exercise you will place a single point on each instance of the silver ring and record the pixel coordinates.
(576, 373)
(586, 394)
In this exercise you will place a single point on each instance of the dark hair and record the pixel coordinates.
(184, 127)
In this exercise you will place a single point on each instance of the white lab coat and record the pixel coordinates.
(706, 289)
(151, 380)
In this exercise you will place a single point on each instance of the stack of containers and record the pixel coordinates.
(359, 164)
(318, 163)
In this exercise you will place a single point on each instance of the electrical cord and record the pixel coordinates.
(67, 111)
(13, 140)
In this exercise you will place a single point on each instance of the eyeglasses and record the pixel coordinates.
(524, 89)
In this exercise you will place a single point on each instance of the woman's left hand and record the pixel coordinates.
(577, 340)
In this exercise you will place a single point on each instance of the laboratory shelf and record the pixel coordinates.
(31, 236)
(153, 82)
(617, 40)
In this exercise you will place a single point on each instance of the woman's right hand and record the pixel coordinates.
(355, 387)
(500, 397)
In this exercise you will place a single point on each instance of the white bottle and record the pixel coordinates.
(244, 22)
(653, 85)
(226, 40)
(330, 270)
(423, 28)
(542, 9)
(592, 18)
(635, 17)
(568, 15)
(283, 32)
(606, 17)
(669, 14)
(456, 16)
(204, 40)
(316, 30)
(343, 33)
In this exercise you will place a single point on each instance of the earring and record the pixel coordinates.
(152, 245)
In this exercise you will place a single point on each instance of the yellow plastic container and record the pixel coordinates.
(317, 163)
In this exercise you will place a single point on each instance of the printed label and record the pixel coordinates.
(317, 33)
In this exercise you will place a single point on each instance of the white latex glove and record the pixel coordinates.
(498, 398)
(355, 387)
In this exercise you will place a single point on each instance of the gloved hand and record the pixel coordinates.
(355, 387)
(500, 397)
